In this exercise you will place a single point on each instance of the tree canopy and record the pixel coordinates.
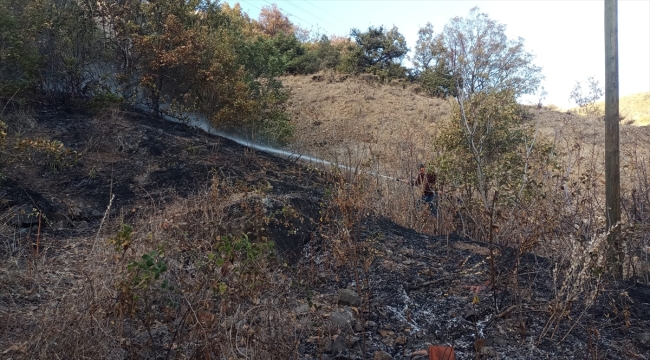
(483, 58)
(428, 49)
(380, 50)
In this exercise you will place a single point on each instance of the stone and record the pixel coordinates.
(325, 345)
(400, 340)
(342, 321)
(388, 341)
(382, 355)
(348, 297)
(469, 314)
(643, 339)
(24, 216)
(496, 341)
(352, 341)
(80, 225)
(419, 353)
(488, 351)
(75, 212)
(339, 345)
(302, 309)
(358, 326)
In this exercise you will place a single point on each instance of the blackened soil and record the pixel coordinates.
(422, 290)
(139, 160)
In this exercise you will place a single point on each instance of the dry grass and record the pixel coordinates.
(334, 112)
(634, 109)
(89, 302)
(359, 121)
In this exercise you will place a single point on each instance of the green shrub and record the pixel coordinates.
(318, 56)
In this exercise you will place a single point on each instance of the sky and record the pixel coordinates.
(567, 37)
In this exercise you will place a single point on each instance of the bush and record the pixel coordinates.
(438, 82)
(319, 56)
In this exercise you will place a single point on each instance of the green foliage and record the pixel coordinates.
(104, 100)
(51, 46)
(261, 57)
(230, 249)
(379, 51)
(147, 270)
(486, 148)
(176, 56)
(438, 81)
(19, 56)
(317, 56)
(289, 49)
(136, 289)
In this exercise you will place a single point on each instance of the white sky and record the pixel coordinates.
(567, 37)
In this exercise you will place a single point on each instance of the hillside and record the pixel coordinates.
(179, 262)
(335, 113)
(358, 120)
(634, 109)
(126, 233)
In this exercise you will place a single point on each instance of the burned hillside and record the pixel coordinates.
(145, 238)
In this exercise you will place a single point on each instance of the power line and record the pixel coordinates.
(328, 13)
(249, 4)
(308, 12)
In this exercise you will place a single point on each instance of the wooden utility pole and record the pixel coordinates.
(612, 167)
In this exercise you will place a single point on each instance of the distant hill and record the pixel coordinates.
(635, 109)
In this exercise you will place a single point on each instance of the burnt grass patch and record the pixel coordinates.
(422, 290)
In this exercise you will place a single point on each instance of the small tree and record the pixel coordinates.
(587, 102)
(438, 81)
(272, 21)
(20, 60)
(50, 45)
(380, 51)
(170, 60)
(428, 49)
(482, 58)
(318, 56)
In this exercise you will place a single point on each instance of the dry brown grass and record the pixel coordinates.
(634, 109)
(333, 112)
(90, 303)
